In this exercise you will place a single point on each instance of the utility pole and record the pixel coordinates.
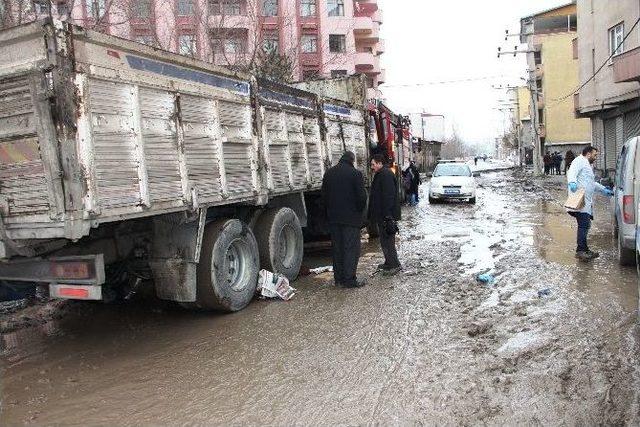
(533, 90)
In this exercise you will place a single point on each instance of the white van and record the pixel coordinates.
(627, 192)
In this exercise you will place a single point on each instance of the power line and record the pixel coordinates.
(444, 82)
(564, 98)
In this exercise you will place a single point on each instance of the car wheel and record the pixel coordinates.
(472, 200)
(626, 257)
(433, 201)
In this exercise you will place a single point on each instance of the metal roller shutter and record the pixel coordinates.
(597, 138)
(610, 144)
(631, 125)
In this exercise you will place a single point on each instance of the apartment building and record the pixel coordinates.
(608, 49)
(322, 38)
(553, 76)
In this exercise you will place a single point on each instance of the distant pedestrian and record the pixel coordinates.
(345, 200)
(547, 163)
(413, 181)
(581, 176)
(475, 161)
(557, 163)
(568, 158)
(384, 210)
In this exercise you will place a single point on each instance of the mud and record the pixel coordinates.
(552, 341)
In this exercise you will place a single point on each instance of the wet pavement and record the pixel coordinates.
(552, 341)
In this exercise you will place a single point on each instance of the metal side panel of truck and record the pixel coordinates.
(100, 136)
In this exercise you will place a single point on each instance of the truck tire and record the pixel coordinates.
(228, 268)
(626, 257)
(280, 242)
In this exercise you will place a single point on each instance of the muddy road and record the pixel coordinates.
(552, 341)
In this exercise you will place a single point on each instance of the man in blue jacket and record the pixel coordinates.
(345, 200)
(581, 176)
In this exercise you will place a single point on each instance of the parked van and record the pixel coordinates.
(627, 192)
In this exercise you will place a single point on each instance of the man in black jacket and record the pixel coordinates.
(345, 200)
(384, 210)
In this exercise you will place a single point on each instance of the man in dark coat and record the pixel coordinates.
(568, 159)
(415, 182)
(345, 200)
(384, 210)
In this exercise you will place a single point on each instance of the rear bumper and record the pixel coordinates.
(78, 270)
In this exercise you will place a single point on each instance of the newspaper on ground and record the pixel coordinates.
(320, 270)
(272, 285)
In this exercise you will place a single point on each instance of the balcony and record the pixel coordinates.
(380, 47)
(362, 8)
(366, 30)
(382, 77)
(626, 67)
(367, 62)
(378, 17)
(542, 131)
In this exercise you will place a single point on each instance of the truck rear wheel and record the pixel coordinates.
(280, 242)
(228, 268)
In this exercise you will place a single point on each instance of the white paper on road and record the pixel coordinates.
(272, 285)
(320, 270)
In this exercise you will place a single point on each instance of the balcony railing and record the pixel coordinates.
(362, 8)
(626, 67)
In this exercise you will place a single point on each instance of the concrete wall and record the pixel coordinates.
(595, 18)
(560, 78)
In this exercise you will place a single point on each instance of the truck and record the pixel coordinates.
(120, 162)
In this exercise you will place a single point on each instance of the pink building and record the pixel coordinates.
(324, 38)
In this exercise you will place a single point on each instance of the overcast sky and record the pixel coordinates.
(433, 41)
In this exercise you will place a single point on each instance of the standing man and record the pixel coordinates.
(345, 200)
(415, 184)
(384, 210)
(547, 163)
(581, 176)
(568, 158)
(558, 163)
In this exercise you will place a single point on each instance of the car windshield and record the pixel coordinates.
(452, 170)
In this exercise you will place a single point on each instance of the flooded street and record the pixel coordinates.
(551, 341)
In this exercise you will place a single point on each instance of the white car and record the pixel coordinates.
(452, 181)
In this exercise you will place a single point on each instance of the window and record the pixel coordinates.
(233, 45)
(310, 74)
(270, 8)
(227, 7)
(229, 41)
(309, 43)
(337, 43)
(187, 45)
(616, 37)
(141, 9)
(338, 73)
(370, 83)
(63, 10)
(270, 42)
(537, 57)
(95, 8)
(145, 39)
(308, 8)
(186, 7)
(335, 7)
(41, 7)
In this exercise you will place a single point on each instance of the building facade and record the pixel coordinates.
(320, 38)
(553, 76)
(608, 48)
